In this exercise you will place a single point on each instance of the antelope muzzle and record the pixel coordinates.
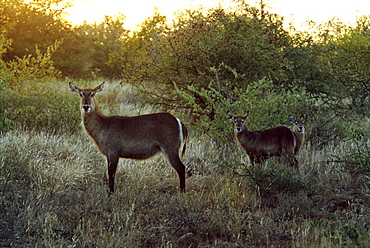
(86, 108)
(238, 129)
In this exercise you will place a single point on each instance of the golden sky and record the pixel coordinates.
(293, 10)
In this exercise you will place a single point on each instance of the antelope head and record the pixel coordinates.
(298, 124)
(239, 121)
(88, 104)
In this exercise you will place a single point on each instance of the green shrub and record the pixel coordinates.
(341, 232)
(47, 108)
(214, 53)
(31, 72)
(332, 125)
(268, 106)
(28, 96)
(274, 178)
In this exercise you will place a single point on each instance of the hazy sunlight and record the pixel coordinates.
(136, 11)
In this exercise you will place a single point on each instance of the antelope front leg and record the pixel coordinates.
(112, 167)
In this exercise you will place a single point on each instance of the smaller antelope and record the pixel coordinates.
(138, 137)
(260, 145)
(299, 132)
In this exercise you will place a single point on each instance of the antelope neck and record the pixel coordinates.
(93, 122)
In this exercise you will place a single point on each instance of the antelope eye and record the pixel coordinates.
(82, 95)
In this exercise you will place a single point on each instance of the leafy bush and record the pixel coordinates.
(240, 41)
(272, 179)
(32, 25)
(268, 106)
(4, 44)
(45, 108)
(93, 48)
(330, 125)
(30, 96)
(340, 57)
(4, 77)
(31, 72)
(357, 159)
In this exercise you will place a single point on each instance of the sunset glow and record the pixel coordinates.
(293, 10)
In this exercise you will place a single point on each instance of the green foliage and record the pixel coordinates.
(44, 108)
(5, 123)
(329, 124)
(36, 26)
(187, 52)
(357, 162)
(132, 55)
(31, 26)
(331, 62)
(268, 106)
(92, 48)
(340, 56)
(26, 97)
(31, 72)
(209, 54)
(272, 179)
(341, 232)
(4, 44)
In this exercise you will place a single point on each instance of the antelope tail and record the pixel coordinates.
(183, 136)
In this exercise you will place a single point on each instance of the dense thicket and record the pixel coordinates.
(233, 49)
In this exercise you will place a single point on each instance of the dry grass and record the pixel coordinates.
(54, 194)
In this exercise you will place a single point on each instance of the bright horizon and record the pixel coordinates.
(293, 10)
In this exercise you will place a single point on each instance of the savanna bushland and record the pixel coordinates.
(206, 63)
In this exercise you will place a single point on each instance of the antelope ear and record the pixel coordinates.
(230, 116)
(246, 115)
(74, 88)
(291, 119)
(302, 118)
(99, 87)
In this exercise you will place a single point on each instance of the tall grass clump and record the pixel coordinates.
(273, 178)
(37, 169)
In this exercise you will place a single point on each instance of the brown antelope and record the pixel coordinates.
(299, 132)
(259, 145)
(138, 137)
